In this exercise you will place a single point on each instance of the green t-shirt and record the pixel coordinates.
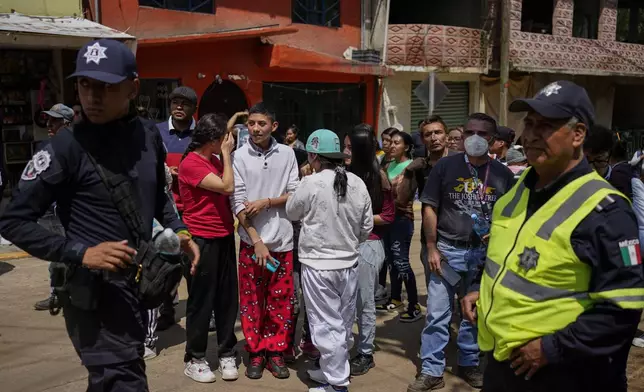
(396, 168)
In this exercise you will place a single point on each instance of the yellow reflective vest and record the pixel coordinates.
(534, 284)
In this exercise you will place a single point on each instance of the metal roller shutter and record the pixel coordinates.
(454, 109)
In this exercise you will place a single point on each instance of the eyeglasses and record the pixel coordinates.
(455, 139)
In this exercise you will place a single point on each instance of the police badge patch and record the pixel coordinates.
(38, 164)
(528, 259)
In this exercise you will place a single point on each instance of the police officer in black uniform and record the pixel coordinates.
(102, 312)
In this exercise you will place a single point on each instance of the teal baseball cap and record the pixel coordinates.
(326, 143)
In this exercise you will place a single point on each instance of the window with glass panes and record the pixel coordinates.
(202, 6)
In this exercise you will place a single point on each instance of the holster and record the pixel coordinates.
(76, 286)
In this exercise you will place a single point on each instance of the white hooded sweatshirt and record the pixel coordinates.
(332, 228)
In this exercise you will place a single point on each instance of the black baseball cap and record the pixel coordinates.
(559, 100)
(106, 60)
(506, 134)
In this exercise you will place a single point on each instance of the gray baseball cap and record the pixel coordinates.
(515, 155)
(61, 111)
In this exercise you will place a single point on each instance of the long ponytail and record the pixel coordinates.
(191, 147)
(340, 180)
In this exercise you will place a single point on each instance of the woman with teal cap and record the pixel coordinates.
(334, 207)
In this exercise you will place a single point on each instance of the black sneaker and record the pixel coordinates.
(425, 383)
(361, 364)
(391, 306)
(277, 366)
(412, 315)
(45, 303)
(165, 322)
(256, 365)
(471, 375)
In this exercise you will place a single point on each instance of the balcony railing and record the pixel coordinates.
(424, 45)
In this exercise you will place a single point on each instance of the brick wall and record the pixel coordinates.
(563, 53)
(424, 45)
(608, 20)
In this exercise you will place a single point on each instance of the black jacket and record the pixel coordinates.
(62, 173)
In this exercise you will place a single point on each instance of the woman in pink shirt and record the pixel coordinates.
(205, 182)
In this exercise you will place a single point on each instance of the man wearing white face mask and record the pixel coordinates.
(458, 187)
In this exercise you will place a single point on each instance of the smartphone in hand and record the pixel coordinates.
(272, 265)
(449, 274)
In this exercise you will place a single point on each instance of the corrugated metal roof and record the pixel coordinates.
(67, 26)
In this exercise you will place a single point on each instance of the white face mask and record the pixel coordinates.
(476, 146)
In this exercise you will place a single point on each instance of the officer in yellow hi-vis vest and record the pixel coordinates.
(563, 286)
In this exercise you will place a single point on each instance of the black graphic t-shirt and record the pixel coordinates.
(454, 193)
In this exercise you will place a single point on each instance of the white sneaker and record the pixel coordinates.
(149, 353)
(326, 388)
(198, 370)
(639, 341)
(316, 375)
(228, 368)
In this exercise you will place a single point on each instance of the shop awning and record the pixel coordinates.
(221, 35)
(290, 57)
(54, 32)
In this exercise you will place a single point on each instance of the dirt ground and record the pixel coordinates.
(635, 370)
(36, 355)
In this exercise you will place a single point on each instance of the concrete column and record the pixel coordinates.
(562, 18)
(607, 20)
(604, 105)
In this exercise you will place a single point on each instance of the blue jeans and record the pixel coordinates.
(372, 256)
(440, 305)
(397, 245)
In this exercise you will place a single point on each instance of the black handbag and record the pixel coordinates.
(156, 275)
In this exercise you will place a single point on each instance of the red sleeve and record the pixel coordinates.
(388, 212)
(193, 170)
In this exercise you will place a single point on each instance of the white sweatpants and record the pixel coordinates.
(330, 297)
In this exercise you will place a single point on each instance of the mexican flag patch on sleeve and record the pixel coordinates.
(631, 252)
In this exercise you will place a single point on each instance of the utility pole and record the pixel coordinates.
(505, 61)
(432, 94)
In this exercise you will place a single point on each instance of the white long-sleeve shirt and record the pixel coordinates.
(332, 229)
(265, 174)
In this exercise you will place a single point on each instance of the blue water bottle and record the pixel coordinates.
(481, 226)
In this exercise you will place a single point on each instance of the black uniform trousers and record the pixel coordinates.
(120, 377)
(585, 376)
(109, 339)
(214, 287)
